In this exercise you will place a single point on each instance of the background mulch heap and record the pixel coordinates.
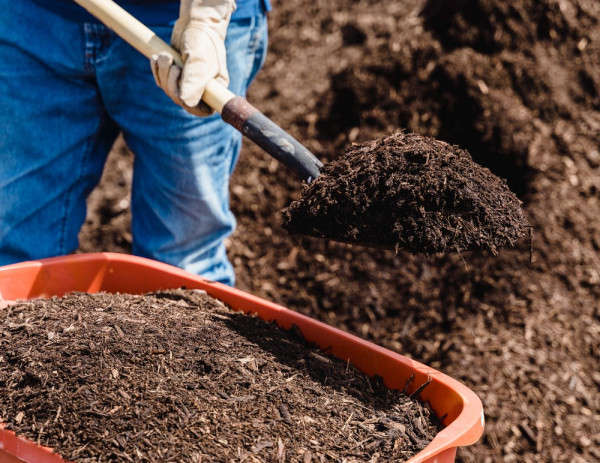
(408, 192)
(517, 84)
(176, 376)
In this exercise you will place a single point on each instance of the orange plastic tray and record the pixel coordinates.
(461, 408)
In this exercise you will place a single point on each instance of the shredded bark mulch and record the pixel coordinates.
(412, 193)
(176, 376)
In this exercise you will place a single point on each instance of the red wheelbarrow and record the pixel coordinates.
(460, 409)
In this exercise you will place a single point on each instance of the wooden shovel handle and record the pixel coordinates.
(148, 43)
(235, 110)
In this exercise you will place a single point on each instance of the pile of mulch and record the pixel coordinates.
(408, 192)
(176, 376)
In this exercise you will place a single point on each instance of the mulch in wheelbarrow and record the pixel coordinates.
(176, 376)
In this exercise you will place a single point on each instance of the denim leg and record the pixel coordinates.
(183, 163)
(54, 134)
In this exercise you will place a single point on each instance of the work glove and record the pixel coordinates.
(199, 35)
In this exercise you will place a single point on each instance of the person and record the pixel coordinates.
(69, 86)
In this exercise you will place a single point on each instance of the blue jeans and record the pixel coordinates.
(67, 90)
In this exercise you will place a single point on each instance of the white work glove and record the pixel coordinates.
(199, 35)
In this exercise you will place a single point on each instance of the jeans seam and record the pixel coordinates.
(67, 204)
(252, 47)
(91, 40)
(255, 42)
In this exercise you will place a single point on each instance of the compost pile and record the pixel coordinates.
(517, 84)
(176, 376)
(408, 192)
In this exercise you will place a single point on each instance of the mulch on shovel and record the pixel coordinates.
(176, 376)
(408, 192)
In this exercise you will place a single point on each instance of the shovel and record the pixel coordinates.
(234, 110)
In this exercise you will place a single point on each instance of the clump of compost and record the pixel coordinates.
(408, 192)
(176, 376)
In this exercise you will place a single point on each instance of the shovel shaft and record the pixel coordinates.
(240, 114)
(273, 139)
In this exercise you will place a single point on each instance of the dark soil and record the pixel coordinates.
(408, 192)
(177, 377)
(517, 84)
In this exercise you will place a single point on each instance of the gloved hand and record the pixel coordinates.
(199, 35)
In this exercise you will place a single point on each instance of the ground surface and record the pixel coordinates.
(517, 84)
(178, 377)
